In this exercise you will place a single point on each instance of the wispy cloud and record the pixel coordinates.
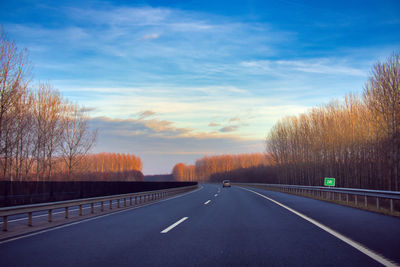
(151, 36)
(317, 66)
(229, 129)
(234, 119)
(146, 114)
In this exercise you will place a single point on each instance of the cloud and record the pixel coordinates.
(141, 126)
(213, 124)
(229, 129)
(146, 114)
(234, 119)
(316, 66)
(151, 36)
(161, 145)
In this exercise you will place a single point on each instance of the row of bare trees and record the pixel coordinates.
(209, 165)
(106, 167)
(39, 129)
(356, 140)
(113, 162)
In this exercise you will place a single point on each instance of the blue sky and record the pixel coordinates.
(172, 81)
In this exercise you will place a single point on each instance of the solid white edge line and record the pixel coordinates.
(172, 226)
(208, 201)
(94, 218)
(347, 240)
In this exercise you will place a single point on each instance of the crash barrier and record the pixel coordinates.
(24, 193)
(130, 199)
(376, 200)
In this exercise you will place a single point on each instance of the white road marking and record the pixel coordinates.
(208, 201)
(215, 195)
(347, 240)
(97, 217)
(169, 228)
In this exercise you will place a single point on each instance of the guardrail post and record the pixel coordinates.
(66, 212)
(4, 223)
(110, 204)
(377, 203)
(391, 205)
(91, 208)
(135, 200)
(50, 217)
(102, 206)
(130, 200)
(80, 210)
(29, 218)
(355, 200)
(365, 201)
(118, 203)
(347, 198)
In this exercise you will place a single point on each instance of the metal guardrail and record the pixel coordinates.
(335, 193)
(133, 198)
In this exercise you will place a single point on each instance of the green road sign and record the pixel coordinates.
(329, 181)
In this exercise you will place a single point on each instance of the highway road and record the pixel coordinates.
(215, 226)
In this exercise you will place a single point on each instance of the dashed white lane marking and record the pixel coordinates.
(208, 201)
(172, 226)
(215, 195)
(347, 240)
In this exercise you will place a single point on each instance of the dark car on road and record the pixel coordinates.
(226, 183)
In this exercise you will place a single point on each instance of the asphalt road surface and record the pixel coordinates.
(217, 226)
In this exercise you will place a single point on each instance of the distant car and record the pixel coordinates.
(226, 183)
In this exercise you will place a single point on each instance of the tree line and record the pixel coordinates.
(44, 136)
(207, 166)
(112, 167)
(356, 140)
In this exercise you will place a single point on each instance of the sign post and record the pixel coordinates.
(329, 181)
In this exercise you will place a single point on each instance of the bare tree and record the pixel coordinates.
(77, 139)
(382, 96)
(14, 70)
